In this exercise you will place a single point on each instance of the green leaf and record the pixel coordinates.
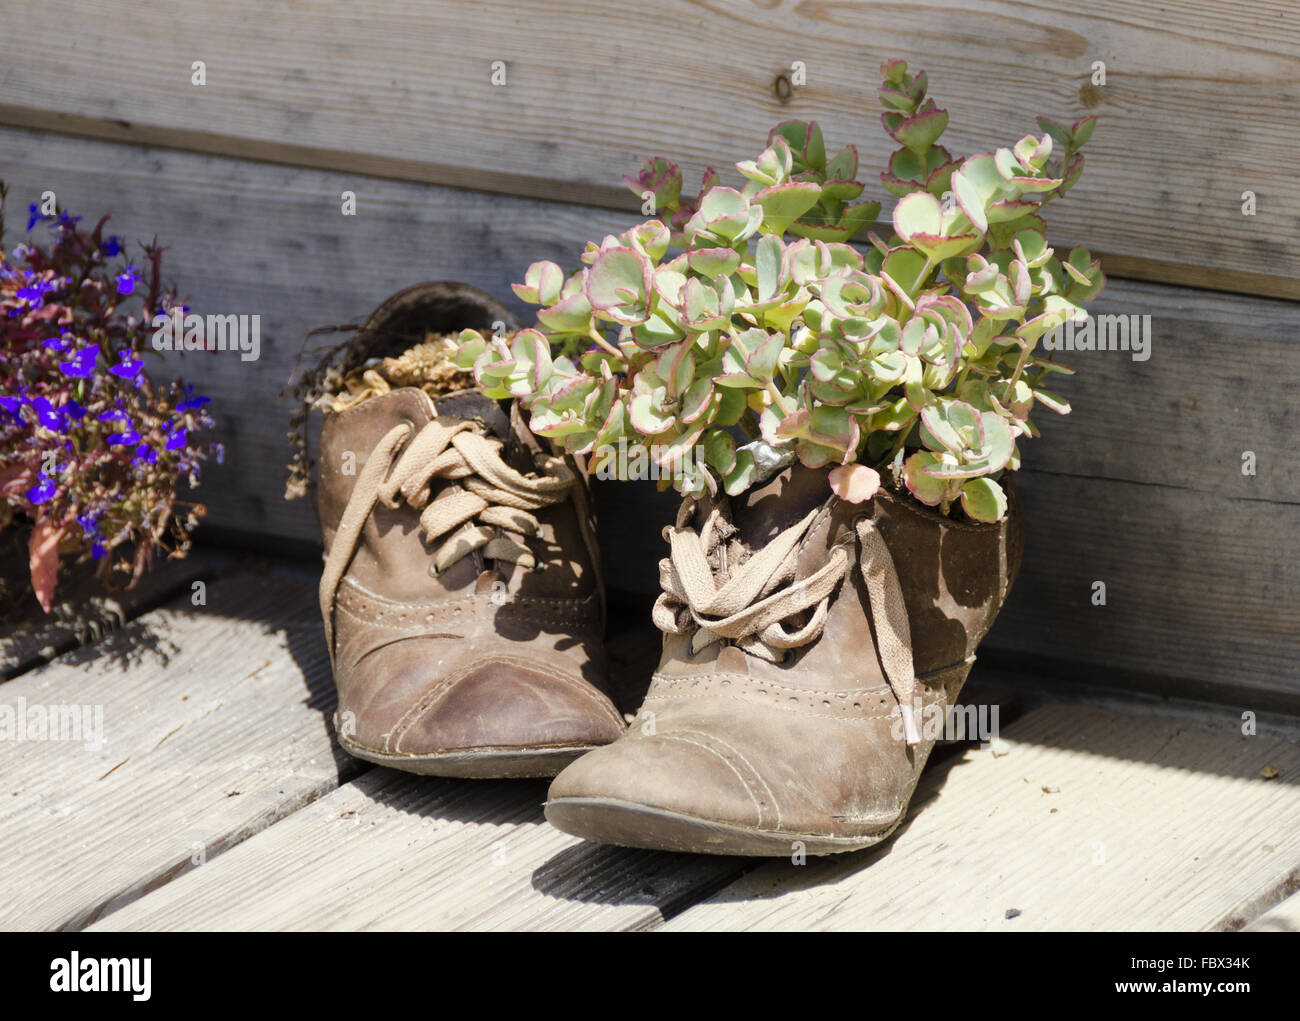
(983, 499)
(719, 450)
(768, 260)
(568, 315)
(619, 283)
(741, 476)
(542, 283)
(858, 217)
(920, 484)
(784, 203)
(761, 363)
(646, 416)
(920, 132)
(713, 262)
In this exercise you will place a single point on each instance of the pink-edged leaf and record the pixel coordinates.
(854, 483)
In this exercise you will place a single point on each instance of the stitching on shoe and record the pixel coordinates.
(848, 717)
(535, 609)
(681, 738)
(439, 692)
(799, 700)
(933, 517)
(749, 765)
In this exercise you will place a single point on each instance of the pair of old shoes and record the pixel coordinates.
(808, 642)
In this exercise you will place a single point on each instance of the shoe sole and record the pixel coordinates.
(628, 824)
(477, 763)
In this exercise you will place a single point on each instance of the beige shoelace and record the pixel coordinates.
(487, 507)
(751, 604)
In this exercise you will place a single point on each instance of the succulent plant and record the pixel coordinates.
(748, 310)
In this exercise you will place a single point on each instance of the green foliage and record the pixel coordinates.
(748, 307)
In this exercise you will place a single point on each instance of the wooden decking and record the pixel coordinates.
(219, 800)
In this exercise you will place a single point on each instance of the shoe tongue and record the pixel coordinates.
(471, 404)
(494, 416)
(783, 500)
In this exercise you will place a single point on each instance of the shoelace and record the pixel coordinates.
(487, 507)
(751, 604)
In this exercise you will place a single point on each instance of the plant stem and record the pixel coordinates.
(778, 398)
(602, 342)
(925, 272)
(1020, 365)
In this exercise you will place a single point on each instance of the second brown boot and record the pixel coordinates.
(461, 596)
(808, 645)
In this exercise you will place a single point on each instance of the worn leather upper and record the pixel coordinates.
(811, 745)
(487, 655)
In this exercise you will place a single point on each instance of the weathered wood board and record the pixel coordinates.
(83, 611)
(390, 851)
(587, 91)
(215, 724)
(1097, 818)
(1284, 917)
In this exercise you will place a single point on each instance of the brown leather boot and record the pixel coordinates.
(461, 596)
(795, 627)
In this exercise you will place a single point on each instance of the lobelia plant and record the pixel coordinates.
(92, 452)
(749, 308)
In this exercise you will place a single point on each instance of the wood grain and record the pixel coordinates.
(395, 852)
(215, 726)
(1202, 593)
(1158, 822)
(85, 612)
(591, 89)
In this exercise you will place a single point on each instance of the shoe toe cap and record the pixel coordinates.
(509, 704)
(687, 774)
(412, 705)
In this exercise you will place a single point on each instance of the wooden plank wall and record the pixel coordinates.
(1141, 487)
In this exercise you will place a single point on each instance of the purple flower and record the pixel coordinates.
(177, 438)
(67, 221)
(89, 530)
(82, 364)
(58, 344)
(73, 411)
(42, 491)
(13, 405)
(123, 437)
(111, 246)
(145, 454)
(48, 416)
(192, 402)
(36, 289)
(127, 280)
(129, 368)
(35, 216)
